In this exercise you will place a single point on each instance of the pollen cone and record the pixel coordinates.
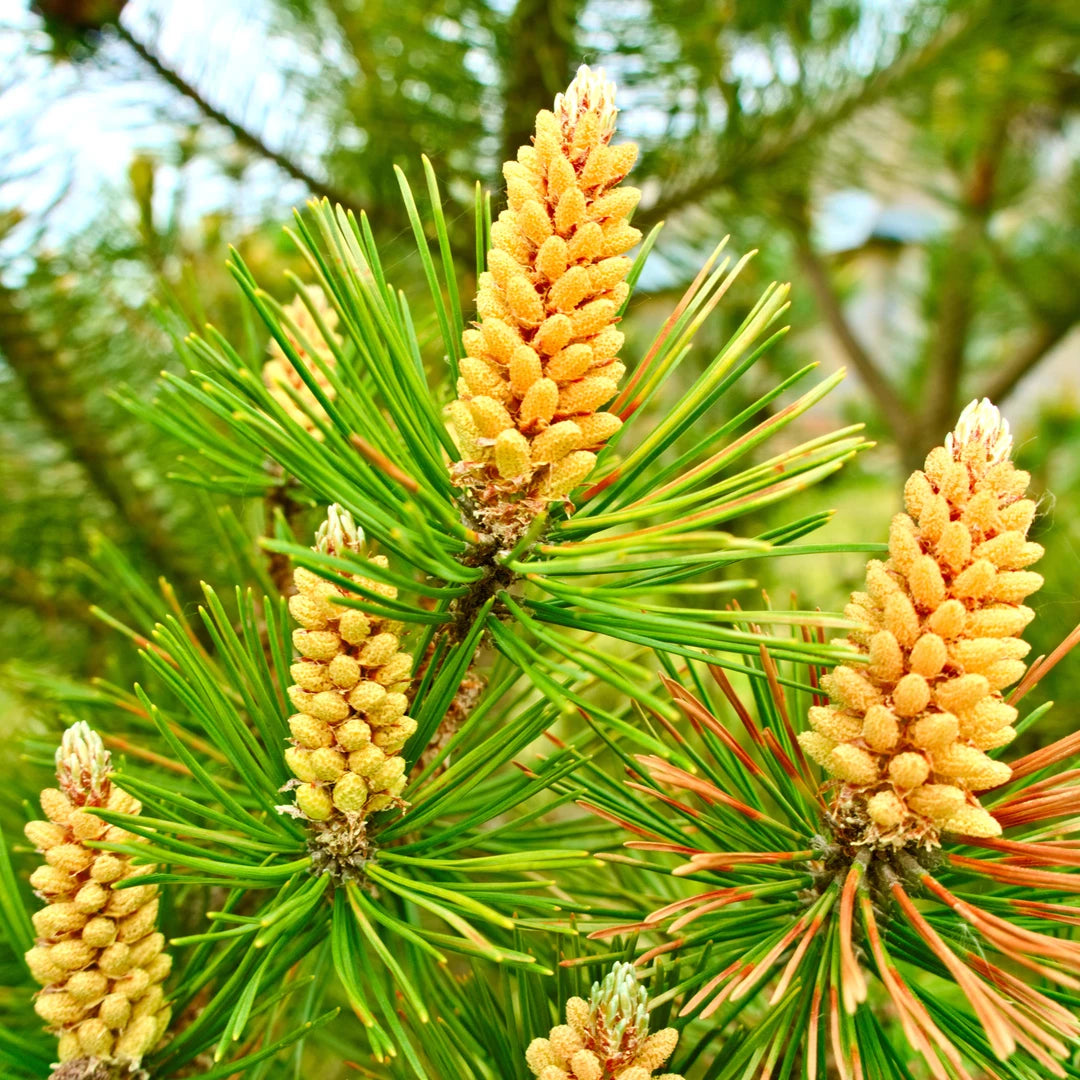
(99, 956)
(542, 361)
(606, 1037)
(908, 735)
(350, 679)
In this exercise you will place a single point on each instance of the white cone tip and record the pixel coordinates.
(590, 91)
(83, 764)
(338, 532)
(619, 1002)
(981, 423)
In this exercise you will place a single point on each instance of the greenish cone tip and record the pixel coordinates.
(83, 765)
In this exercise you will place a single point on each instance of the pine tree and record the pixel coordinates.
(461, 775)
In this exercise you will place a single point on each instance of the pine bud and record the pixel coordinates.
(314, 802)
(512, 454)
(567, 474)
(538, 405)
(556, 442)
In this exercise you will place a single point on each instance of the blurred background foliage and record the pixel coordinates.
(910, 165)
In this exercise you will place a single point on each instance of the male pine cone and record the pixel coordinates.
(99, 955)
(544, 357)
(908, 735)
(606, 1037)
(280, 375)
(349, 693)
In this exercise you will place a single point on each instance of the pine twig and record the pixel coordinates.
(243, 135)
(60, 406)
(888, 400)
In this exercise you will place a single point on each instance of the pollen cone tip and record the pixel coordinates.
(339, 532)
(82, 762)
(590, 90)
(981, 423)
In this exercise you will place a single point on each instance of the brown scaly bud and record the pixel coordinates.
(606, 1037)
(349, 693)
(907, 736)
(98, 956)
(279, 372)
(544, 353)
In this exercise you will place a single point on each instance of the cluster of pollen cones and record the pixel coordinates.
(908, 735)
(99, 956)
(543, 358)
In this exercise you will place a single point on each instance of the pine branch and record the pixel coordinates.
(1004, 381)
(60, 405)
(243, 135)
(765, 150)
(889, 403)
(1013, 277)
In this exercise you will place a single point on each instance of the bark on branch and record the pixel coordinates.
(61, 407)
(243, 135)
(889, 403)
